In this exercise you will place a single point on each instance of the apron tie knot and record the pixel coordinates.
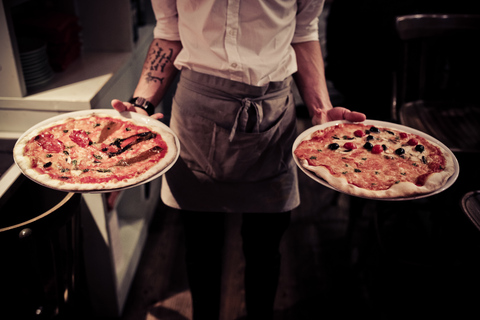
(242, 117)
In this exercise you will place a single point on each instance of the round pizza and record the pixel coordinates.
(375, 161)
(95, 151)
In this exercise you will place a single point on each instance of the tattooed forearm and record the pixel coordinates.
(149, 78)
(160, 58)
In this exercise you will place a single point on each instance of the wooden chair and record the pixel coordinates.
(437, 82)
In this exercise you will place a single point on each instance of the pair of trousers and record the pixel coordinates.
(204, 239)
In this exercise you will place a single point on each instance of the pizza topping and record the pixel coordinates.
(125, 144)
(350, 146)
(81, 138)
(412, 142)
(400, 151)
(359, 133)
(419, 148)
(142, 156)
(403, 135)
(48, 143)
(376, 149)
(374, 130)
(368, 146)
(108, 129)
(333, 146)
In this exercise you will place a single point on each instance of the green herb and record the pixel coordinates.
(49, 155)
(97, 157)
(358, 170)
(65, 131)
(344, 172)
(128, 129)
(313, 158)
(66, 152)
(96, 125)
(104, 170)
(402, 173)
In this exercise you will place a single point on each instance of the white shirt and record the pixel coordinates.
(247, 41)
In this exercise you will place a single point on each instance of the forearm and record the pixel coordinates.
(158, 70)
(310, 77)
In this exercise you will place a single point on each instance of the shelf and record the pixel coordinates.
(89, 83)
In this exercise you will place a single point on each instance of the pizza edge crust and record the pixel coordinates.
(25, 163)
(401, 190)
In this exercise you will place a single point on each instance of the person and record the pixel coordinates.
(234, 114)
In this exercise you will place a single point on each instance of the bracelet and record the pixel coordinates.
(144, 104)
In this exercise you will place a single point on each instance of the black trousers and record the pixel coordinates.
(204, 236)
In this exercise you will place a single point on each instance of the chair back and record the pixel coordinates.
(437, 82)
(440, 59)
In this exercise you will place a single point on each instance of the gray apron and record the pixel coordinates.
(236, 145)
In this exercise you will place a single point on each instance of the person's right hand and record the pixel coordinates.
(121, 106)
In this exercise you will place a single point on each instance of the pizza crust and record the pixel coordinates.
(24, 163)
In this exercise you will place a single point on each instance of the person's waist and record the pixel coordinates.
(231, 89)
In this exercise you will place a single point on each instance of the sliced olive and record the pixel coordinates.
(368, 146)
(400, 151)
(384, 147)
(419, 148)
(374, 130)
(333, 146)
(48, 164)
(370, 138)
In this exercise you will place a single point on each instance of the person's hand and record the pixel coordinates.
(337, 113)
(121, 106)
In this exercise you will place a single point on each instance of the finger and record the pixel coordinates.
(118, 105)
(354, 116)
(157, 116)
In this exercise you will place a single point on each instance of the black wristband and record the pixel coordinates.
(144, 104)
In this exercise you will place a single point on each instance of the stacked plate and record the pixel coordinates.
(34, 59)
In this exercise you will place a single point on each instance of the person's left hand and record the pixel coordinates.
(337, 113)
(121, 106)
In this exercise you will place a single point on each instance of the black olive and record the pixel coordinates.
(48, 164)
(384, 147)
(368, 146)
(374, 130)
(370, 138)
(400, 151)
(333, 146)
(419, 148)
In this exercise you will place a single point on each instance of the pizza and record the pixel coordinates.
(375, 162)
(94, 152)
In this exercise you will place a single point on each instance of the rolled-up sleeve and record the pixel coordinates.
(166, 20)
(306, 28)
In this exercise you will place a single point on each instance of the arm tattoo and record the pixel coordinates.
(159, 59)
(149, 78)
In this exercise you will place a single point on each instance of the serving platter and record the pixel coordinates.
(302, 136)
